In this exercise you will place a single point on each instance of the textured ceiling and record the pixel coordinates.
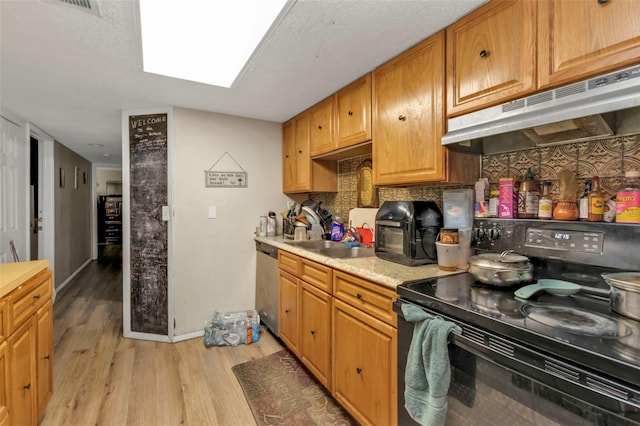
(71, 73)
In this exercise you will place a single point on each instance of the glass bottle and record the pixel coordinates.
(528, 197)
(596, 202)
(545, 205)
(584, 200)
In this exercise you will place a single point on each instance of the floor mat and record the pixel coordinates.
(281, 392)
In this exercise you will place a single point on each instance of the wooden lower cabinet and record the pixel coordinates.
(22, 379)
(315, 332)
(305, 312)
(364, 365)
(44, 356)
(343, 329)
(4, 383)
(288, 310)
(26, 356)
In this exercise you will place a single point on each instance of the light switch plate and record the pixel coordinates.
(212, 212)
(166, 213)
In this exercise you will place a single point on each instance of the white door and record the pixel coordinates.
(13, 191)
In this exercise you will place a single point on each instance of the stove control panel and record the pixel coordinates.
(610, 245)
(588, 242)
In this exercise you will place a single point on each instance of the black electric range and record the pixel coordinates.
(575, 342)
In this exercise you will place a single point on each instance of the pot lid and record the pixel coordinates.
(501, 261)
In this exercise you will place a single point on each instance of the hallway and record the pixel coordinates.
(102, 378)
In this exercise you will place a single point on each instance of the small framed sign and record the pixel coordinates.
(214, 179)
(225, 179)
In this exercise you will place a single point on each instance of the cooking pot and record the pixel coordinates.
(625, 293)
(501, 269)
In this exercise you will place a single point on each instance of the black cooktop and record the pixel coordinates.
(579, 328)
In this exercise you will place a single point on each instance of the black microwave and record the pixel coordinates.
(406, 232)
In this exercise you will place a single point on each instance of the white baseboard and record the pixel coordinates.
(146, 336)
(68, 280)
(192, 335)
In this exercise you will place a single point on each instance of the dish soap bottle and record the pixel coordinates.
(596, 202)
(337, 227)
(528, 197)
(628, 199)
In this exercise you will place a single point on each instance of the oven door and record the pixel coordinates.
(498, 382)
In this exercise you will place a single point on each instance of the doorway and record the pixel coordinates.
(34, 208)
(109, 213)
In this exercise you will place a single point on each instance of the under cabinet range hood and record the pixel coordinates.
(603, 106)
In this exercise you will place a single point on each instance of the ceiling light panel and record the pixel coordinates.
(207, 41)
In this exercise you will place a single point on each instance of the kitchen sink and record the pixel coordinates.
(317, 244)
(333, 249)
(347, 252)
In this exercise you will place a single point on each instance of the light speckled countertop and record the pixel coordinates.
(372, 268)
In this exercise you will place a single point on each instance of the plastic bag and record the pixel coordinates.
(232, 328)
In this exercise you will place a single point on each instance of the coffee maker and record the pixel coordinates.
(406, 232)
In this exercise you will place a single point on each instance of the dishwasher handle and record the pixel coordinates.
(267, 249)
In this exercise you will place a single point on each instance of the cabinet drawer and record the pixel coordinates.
(316, 274)
(288, 262)
(26, 299)
(366, 296)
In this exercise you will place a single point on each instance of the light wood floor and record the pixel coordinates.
(102, 378)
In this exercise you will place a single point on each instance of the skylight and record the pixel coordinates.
(207, 41)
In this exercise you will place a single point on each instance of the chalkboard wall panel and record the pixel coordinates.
(148, 243)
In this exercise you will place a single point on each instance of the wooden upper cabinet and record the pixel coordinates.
(408, 119)
(323, 135)
(302, 152)
(491, 55)
(299, 172)
(354, 112)
(288, 157)
(582, 38)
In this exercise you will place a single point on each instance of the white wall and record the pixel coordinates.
(214, 259)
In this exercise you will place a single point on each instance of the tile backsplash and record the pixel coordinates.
(607, 158)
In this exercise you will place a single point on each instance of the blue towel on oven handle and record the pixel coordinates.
(428, 371)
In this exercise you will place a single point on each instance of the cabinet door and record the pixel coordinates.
(315, 332)
(22, 344)
(491, 55)
(288, 156)
(364, 365)
(579, 38)
(322, 127)
(354, 112)
(4, 383)
(408, 116)
(302, 153)
(44, 356)
(288, 310)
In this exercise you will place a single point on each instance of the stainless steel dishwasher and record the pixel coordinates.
(267, 285)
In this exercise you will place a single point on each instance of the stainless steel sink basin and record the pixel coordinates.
(317, 244)
(347, 252)
(333, 249)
